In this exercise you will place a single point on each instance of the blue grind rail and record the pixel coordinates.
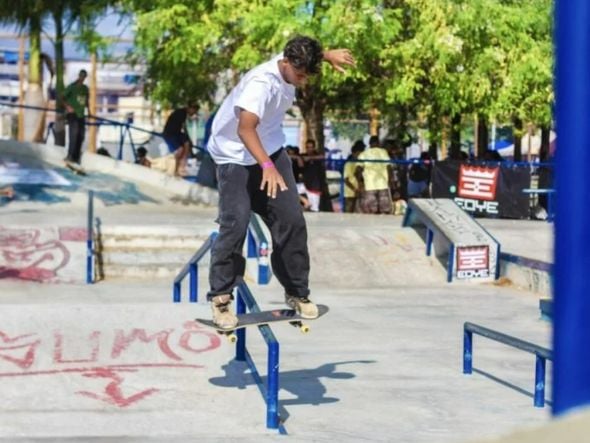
(258, 247)
(191, 267)
(270, 392)
(245, 302)
(90, 239)
(541, 354)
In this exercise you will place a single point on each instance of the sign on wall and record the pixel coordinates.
(483, 190)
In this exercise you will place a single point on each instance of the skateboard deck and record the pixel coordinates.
(75, 168)
(265, 318)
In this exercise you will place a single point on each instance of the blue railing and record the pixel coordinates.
(258, 247)
(244, 302)
(541, 354)
(90, 239)
(192, 268)
(270, 392)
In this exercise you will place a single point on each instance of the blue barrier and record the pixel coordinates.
(191, 267)
(258, 247)
(541, 355)
(90, 239)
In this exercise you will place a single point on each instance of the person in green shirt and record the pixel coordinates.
(76, 101)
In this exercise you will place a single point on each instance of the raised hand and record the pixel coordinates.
(339, 58)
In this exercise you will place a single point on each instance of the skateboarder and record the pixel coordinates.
(255, 174)
(76, 100)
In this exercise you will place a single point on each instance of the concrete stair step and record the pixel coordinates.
(147, 271)
(152, 241)
(147, 256)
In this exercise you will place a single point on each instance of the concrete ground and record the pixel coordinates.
(119, 362)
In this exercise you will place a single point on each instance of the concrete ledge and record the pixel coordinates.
(526, 273)
(190, 192)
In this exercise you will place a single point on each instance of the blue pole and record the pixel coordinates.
(467, 351)
(429, 238)
(193, 282)
(272, 392)
(539, 382)
(176, 293)
(241, 333)
(571, 380)
(89, 239)
(252, 250)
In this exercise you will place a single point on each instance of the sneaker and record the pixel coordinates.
(222, 313)
(302, 305)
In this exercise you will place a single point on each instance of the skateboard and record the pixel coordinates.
(264, 318)
(76, 169)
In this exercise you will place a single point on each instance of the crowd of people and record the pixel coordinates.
(373, 184)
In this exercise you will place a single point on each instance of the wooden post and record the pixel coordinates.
(92, 104)
(21, 89)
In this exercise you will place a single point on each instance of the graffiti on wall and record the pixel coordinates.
(39, 254)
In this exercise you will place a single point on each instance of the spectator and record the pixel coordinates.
(374, 178)
(176, 136)
(76, 101)
(298, 164)
(314, 174)
(142, 158)
(103, 151)
(419, 177)
(351, 185)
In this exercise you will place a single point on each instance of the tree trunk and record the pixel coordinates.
(482, 136)
(517, 138)
(60, 120)
(374, 121)
(312, 111)
(455, 152)
(34, 119)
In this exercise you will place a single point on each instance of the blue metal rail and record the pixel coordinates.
(245, 301)
(192, 268)
(90, 240)
(541, 354)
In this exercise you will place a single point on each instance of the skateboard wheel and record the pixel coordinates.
(304, 328)
(232, 338)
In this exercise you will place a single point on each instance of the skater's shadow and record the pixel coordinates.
(303, 386)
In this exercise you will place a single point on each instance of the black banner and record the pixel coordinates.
(493, 191)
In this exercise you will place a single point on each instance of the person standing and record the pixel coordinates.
(351, 184)
(255, 174)
(314, 174)
(176, 135)
(76, 102)
(374, 178)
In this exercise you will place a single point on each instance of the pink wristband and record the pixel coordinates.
(267, 165)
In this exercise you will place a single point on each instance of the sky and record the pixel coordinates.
(112, 25)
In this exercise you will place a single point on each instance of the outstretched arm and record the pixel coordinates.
(339, 58)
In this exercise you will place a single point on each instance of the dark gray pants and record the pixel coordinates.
(77, 128)
(239, 193)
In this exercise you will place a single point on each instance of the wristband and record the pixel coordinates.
(268, 164)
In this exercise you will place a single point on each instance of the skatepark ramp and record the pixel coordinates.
(466, 249)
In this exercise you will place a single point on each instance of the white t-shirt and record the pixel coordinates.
(264, 92)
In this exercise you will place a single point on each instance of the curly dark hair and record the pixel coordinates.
(304, 53)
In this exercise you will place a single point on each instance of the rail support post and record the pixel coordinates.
(467, 352)
(539, 382)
